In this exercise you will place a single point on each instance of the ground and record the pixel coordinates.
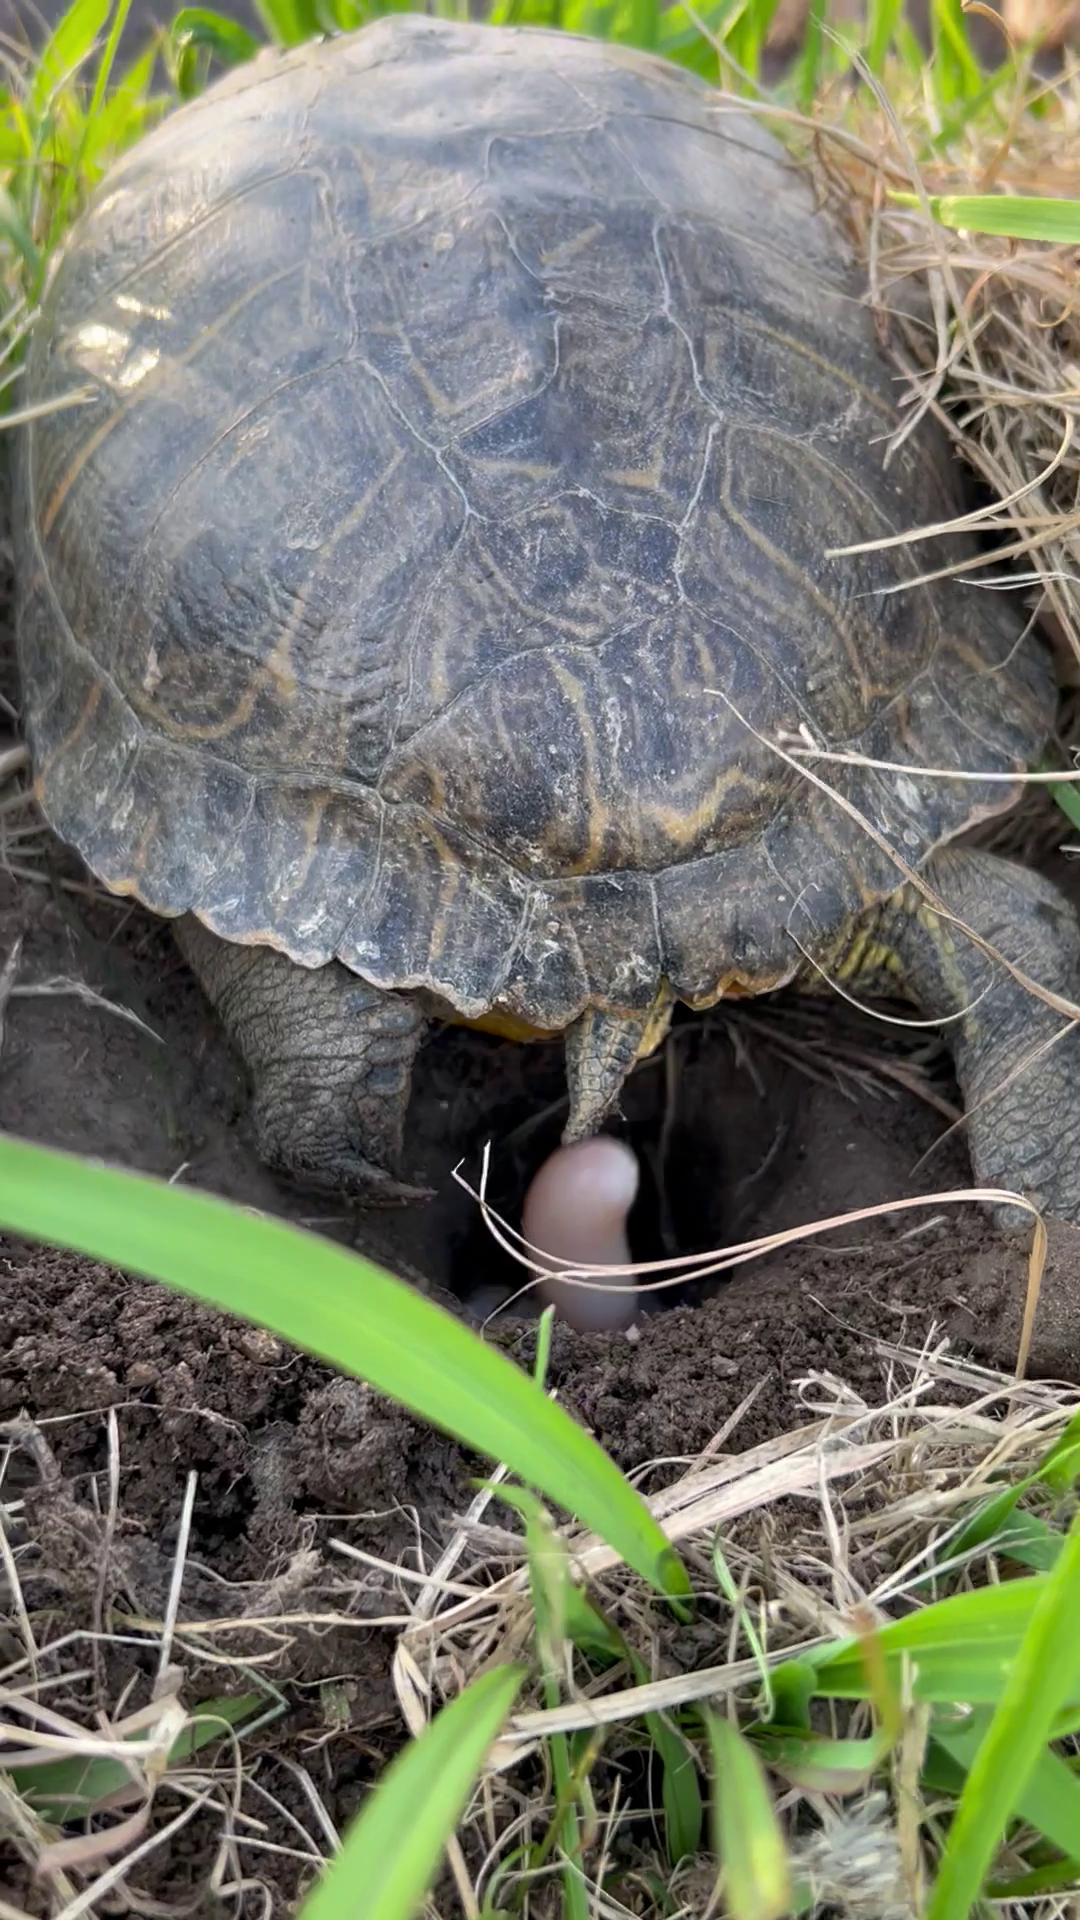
(781, 1115)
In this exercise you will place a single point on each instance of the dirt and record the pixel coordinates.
(747, 1124)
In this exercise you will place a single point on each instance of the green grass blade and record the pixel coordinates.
(821, 1764)
(391, 1853)
(1061, 1466)
(345, 1310)
(963, 1647)
(1050, 1800)
(680, 1791)
(225, 39)
(75, 175)
(1010, 215)
(996, 1523)
(1041, 1679)
(1030, 1542)
(108, 55)
(289, 22)
(956, 72)
(1060, 1875)
(125, 115)
(69, 46)
(14, 229)
(882, 20)
(1068, 800)
(63, 1791)
(998, 1526)
(644, 23)
(990, 1621)
(792, 1690)
(909, 48)
(747, 1837)
(682, 40)
(550, 1584)
(737, 1602)
(543, 1345)
(808, 72)
(591, 1632)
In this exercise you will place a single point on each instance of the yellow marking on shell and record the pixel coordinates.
(782, 563)
(448, 868)
(707, 666)
(643, 480)
(275, 672)
(508, 1026)
(505, 736)
(681, 828)
(569, 250)
(144, 843)
(313, 820)
(279, 672)
(658, 1024)
(791, 344)
(69, 740)
(278, 667)
(155, 379)
(501, 584)
(440, 402)
(435, 801)
(505, 1025)
(599, 823)
(744, 986)
(538, 470)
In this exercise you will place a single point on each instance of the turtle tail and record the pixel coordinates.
(601, 1049)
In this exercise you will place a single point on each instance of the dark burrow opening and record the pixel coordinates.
(731, 1122)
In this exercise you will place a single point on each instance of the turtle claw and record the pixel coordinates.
(377, 1188)
(350, 1178)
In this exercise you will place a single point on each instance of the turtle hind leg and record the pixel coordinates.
(330, 1060)
(1017, 1060)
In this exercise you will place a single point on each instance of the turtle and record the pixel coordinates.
(459, 493)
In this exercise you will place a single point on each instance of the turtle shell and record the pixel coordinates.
(437, 541)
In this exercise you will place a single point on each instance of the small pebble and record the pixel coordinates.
(576, 1212)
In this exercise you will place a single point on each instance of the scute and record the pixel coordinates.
(441, 555)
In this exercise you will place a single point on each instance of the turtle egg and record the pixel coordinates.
(575, 1216)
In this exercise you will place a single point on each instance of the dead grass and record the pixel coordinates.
(849, 1516)
(985, 332)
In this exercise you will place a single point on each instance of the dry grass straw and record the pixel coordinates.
(985, 332)
(849, 1516)
(658, 1276)
(86, 1678)
(845, 1518)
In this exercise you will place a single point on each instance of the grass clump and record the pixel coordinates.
(60, 128)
